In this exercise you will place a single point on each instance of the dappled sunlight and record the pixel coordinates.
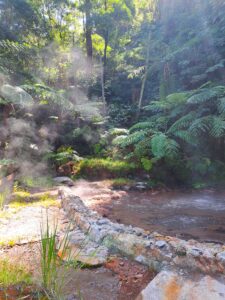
(112, 131)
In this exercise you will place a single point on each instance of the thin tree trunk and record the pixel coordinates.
(103, 85)
(140, 102)
(88, 29)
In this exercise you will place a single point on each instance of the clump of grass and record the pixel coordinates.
(52, 279)
(105, 168)
(120, 182)
(3, 198)
(44, 200)
(42, 181)
(11, 274)
(21, 196)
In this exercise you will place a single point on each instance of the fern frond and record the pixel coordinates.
(186, 136)
(200, 125)
(155, 106)
(143, 148)
(119, 131)
(162, 146)
(205, 95)
(117, 141)
(221, 105)
(132, 139)
(183, 122)
(217, 127)
(142, 125)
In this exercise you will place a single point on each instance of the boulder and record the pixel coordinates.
(81, 249)
(170, 285)
(63, 180)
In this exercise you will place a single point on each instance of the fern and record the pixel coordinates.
(200, 125)
(117, 141)
(205, 95)
(155, 106)
(132, 138)
(186, 136)
(119, 131)
(143, 148)
(183, 122)
(217, 127)
(162, 146)
(221, 105)
(142, 125)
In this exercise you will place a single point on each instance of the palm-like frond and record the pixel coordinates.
(132, 138)
(142, 125)
(217, 127)
(183, 123)
(162, 146)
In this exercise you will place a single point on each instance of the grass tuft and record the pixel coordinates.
(11, 274)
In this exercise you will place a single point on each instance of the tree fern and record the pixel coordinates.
(221, 105)
(201, 125)
(205, 95)
(142, 125)
(183, 122)
(132, 138)
(162, 146)
(143, 147)
(117, 141)
(186, 136)
(217, 127)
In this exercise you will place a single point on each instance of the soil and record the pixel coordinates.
(196, 215)
(16, 292)
(120, 278)
(133, 276)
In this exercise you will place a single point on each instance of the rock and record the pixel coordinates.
(181, 251)
(195, 252)
(81, 249)
(141, 259)
(141, 186)
(174, 286)
(64, 180)
(221, 256)
(103, 221)
(152, 249)
(160, 244)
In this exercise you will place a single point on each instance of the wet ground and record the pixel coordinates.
(196, 215)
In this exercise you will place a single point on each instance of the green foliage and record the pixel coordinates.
(104, 168)
(13, 274)
(52, 278)
(121, 182)
(162, 146)
(146, 163)
(172, 135)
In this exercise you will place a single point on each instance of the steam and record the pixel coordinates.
(24, 141)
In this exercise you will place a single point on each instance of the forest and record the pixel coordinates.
(134, 81)
(130, 91)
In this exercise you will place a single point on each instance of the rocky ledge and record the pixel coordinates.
(150, 248)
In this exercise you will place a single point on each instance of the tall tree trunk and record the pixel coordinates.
(103, 85)
(88, 29)
(140, 102)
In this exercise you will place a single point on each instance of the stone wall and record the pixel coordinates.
(149, 248)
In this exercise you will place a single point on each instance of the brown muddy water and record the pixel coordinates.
(196, 215)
